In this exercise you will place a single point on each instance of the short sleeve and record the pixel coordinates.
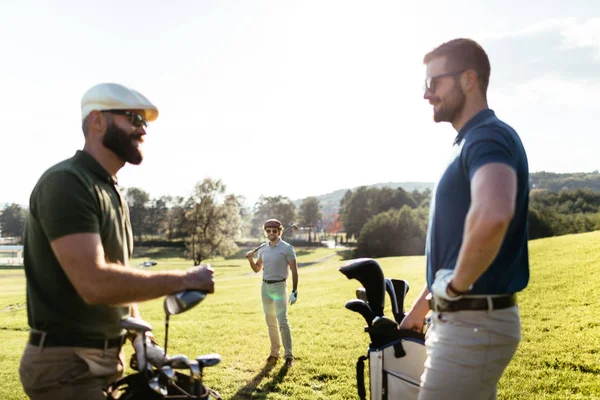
(291, 254)
(489, 146)
(64, 206)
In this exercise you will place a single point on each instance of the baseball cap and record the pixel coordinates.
(112, 96)
(272, 223)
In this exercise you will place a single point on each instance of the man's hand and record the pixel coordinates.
(201, 278)
(412, 322)
(250, 254)
(440, 287)
(293, 296)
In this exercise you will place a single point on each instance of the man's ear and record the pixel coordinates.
(97, 121)
(469, 80)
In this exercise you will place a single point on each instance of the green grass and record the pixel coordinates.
(559, 356)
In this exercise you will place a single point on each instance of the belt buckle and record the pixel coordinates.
(442, 305)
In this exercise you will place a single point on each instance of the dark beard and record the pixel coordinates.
(117, 140)
(454, 105)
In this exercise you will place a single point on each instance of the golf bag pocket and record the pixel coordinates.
(395, 369)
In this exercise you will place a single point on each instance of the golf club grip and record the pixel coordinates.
(261, 245)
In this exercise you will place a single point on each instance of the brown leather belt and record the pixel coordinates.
(268, 281)
(65, 340)
(488, 303)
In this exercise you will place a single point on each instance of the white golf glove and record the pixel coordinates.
(440, 285)
(293, 296)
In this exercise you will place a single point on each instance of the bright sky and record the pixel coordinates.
(293, 98)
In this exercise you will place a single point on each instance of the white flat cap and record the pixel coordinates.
(112, 96)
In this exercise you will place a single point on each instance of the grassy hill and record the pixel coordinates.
(559, 356)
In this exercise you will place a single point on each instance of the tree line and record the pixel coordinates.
(382, 221)
(209, 223)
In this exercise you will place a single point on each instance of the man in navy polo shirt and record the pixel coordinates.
(477, 257)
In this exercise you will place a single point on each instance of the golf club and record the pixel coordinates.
(157, 387)
(294, 227)
(361, 307)
(400, 289)
(168, 373)
(195, 372)
(208, 360)
(179, 361)
(361, 293)
(139, 327)
(389, 287)
(178, 303)
(368, 272)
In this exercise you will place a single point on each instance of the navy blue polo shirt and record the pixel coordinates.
(482, 140)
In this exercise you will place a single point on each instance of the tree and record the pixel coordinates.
(157, 214)
(310, 214)
(137, 200)
(333, 224)
(357, 208)
(393, 233)
(213, 221)
(12, 220)
(278, 207)
(175, 219)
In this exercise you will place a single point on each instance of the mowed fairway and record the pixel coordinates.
(559, 356)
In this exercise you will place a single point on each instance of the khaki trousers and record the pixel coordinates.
(274, 301)
(49, 373)
(467, 352)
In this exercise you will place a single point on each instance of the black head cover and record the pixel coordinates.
(369, 273)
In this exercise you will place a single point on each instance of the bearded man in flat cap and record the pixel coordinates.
(77, 245)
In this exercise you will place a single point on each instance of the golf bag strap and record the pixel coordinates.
(399, 350)
(360, 377)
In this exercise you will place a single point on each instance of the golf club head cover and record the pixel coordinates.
(362, 307)
(397, 289)
(368, 272)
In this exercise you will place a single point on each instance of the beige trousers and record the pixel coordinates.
(274, 301)
(65, 373)
(467, 352)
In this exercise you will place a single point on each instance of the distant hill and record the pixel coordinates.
(330, 202)
(556, 182)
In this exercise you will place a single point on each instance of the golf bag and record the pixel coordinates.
(396, 357)
(158, 375)
(135, 387)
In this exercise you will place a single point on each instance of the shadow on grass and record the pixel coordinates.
(251, 391)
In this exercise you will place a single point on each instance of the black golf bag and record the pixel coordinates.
(396, 357)
(135, 387)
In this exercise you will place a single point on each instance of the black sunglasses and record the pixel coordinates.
(431, 81)
(136, 119)
(275, 230)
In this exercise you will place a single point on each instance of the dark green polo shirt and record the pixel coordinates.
(75, 196)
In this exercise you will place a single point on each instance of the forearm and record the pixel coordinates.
(482, 239)
(255, 267)
(135, 311)
(420, 307)
(113, 284)
(294, 279)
